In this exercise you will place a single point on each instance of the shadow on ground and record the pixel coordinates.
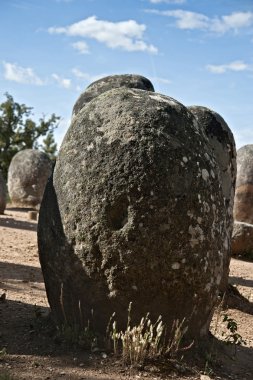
(235, 300)
(27, 331)
(241, 281)
(25, 273)
(229, 359)
(19, 224)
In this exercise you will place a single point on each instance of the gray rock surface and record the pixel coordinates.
(27, 177)
(134, 211)
(2, 194)
(222, 144)
(243, 206)
(242, 240)
(108, 83)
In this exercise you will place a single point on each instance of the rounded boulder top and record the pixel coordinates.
(27, 176)
(108, 83)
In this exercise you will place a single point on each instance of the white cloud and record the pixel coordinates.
(235, 20)
(86, 76)
(80, 74)
(232, 66)
(25, 75)
(63, 82)
(194, 20)
(160, 80)
(167, 1)
(126, 35)
(189, 20)
(81, 46)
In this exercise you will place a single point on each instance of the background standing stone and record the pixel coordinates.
(242, 241)
(27, 176)
(243, 208)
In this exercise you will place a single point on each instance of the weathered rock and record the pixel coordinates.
(243, 207)
(134, 211)
(27, 177)
(242, 240)
(2, 194)
(108, 83)
(222, 144)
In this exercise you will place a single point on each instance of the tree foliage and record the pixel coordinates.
(18, 131)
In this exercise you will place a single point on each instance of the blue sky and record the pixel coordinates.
(199, 52)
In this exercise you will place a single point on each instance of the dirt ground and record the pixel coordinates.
(29, 349)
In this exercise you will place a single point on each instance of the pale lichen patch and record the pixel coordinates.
(90, 147)
(197, 235)
(175, 266)
(164, 99)
(205, 174)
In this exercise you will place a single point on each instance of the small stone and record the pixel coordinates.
(205, 377)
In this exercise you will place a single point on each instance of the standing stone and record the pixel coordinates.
(27, 177)
(243, 208)
(107, 83)
(222, 143)
(134, 211)
(2, 194)
(242, 239)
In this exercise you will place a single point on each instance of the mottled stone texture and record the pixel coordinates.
(243, 207)
(134, 211)
(108, 83)
(242, 240)
(221, 141)
(2, 194)
(27, 176)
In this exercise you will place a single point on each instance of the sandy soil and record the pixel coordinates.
(29, 350)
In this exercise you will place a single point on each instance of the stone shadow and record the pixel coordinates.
(241, 281)
(19, 224)
(12, 271)
(235, 300)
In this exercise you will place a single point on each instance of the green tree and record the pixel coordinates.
(18, 131)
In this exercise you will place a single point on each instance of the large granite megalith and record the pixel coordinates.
(27, 176)
(2, 194)
(222, 144)
(134, 211)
